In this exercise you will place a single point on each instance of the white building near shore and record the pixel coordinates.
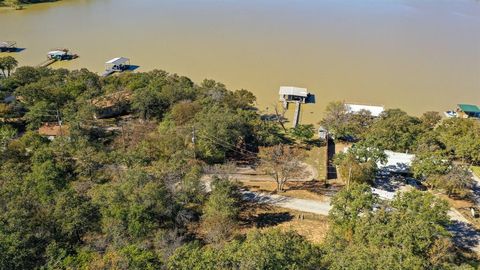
(375, 111)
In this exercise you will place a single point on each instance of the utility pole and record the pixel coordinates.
(194, 141)
(59, 120)
(349, 177)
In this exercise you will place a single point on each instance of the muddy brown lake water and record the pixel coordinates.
(417, 55)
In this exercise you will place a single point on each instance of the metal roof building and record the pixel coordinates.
(397, 162)
(356, 108)
(468, 110)
(293, 91)
(118, 61)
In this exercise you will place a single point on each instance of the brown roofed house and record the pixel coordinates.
(53, 130)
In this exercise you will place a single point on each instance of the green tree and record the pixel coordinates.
(221, 133)
(348, 206)
(303, 132)
(431, 163)
(7, 65)
(7, 133)
(456, 180)
(395, 130)
(359, 163)
(270, 249)
(461, 137)
(220, 213)
(342, 124)
(135, 207)
(406, 233)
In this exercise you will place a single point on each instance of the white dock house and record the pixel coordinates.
(296, 95)
(7, 46)
(292, 94)
(116, 64)
(375, 111)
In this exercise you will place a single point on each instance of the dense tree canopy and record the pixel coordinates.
(125, 187)
(407, 233)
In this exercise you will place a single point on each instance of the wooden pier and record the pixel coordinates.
(108, 73)
(296, 116)
(291, 94)
(57, 55)
(47, 63)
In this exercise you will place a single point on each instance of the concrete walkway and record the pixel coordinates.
(310, 206)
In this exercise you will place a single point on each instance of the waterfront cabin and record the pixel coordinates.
(375, 111)
(117, 64)
(293, 94)
(7, 46)
(467, 111)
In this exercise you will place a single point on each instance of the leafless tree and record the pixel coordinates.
(282, 163)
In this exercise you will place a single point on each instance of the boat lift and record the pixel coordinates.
(8, 46)
(118, 64)
(57, 55)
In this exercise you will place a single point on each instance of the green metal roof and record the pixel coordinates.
(469, 108)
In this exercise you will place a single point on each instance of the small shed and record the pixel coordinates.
(293, 94)
(322, 133)
(117, 64)
(375, 111)
(468, 111)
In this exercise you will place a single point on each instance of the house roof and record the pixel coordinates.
(57, 52)
(118, 61)
(397, 162)
(293, 91)
(53, 129)
(7, 44)
(469, 108)
(356, 108)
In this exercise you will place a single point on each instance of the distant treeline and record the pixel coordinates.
(14, 3)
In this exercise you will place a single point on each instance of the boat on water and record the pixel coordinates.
(451, 114)
(60, 55)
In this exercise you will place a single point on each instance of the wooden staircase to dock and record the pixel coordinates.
(296, 116)
(47, 63)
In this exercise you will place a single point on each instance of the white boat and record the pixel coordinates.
(450, 114)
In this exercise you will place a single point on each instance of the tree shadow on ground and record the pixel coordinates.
(315, 186)
(263, 220)
(331, 168)
(464, 235)
(262, 215)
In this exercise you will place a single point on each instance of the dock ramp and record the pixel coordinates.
(296, 116)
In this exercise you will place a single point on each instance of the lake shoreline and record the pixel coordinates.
(403, 62)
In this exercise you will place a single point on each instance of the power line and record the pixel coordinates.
(229, 146)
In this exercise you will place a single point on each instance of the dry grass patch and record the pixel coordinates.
(316, 157)
(313, 227)
(301, 190)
